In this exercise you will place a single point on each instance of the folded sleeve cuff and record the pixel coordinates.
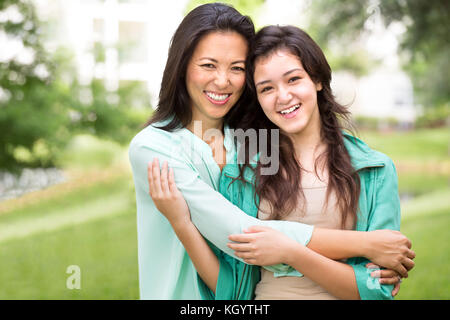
(370, 288)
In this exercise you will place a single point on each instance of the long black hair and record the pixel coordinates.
(174, 100)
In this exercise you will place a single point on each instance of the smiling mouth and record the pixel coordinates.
(290, 110)
(217, 98)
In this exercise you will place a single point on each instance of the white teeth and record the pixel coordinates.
(293, 108)
(217, 97)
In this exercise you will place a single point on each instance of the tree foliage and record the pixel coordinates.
(42, 104)
(424, 46)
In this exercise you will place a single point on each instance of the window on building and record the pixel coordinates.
(132, 42)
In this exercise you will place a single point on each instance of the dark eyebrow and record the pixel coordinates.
(284, 74)
(262, 82)
(214, 60)
(290, 71)
(207, 58)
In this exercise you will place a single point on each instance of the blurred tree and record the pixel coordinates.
(26, 103)
(42, 104)
(424, 46)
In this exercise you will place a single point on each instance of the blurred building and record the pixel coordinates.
(384, 93)
(115, 40)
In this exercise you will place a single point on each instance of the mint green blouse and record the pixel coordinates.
(165, 270)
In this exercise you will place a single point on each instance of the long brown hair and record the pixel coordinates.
(174, 100)
(281, 190)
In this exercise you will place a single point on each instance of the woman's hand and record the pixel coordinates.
(386, 277)
(165, 194)
(262, 246)
(390, 249)
(170, 202)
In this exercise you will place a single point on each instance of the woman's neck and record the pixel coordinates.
(308, 146)
(212, 134)
(206, 129)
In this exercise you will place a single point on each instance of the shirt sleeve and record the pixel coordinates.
(385, 214)
(213, 215)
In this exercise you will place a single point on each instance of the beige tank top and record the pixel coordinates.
(315, 213)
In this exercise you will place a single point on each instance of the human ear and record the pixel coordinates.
(318, 86)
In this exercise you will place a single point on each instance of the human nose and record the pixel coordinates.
(222, 79)
(284, 96)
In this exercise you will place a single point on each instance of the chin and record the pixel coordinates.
(291, 129)
(218, 114)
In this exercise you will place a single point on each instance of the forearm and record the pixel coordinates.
(216, 220)
(203, 258)
(335, 277)
(339, 244)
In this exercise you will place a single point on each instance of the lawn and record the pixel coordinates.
(90, 222)
(423, 166)
(93, 228)
(419, 146)
(431, 241)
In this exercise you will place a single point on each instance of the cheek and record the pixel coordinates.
(238, 81)
(267, 105)
(308, 92)
(195, 77)
(266, 102)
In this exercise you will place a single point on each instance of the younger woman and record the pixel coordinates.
(326, 178)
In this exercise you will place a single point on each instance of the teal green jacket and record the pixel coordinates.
(379, 208)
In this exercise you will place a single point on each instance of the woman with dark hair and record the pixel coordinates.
(327, 178)
(203, 91)
(203, 80)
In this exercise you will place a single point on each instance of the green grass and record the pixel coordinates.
(79, 196)
(86, 151)
(425, 218)
(419, 183)
(105, 250)
(93, 228)
(429, 233)
(419, 145)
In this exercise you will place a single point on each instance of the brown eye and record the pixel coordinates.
(238, 69)
(208, 65)
(265, 89)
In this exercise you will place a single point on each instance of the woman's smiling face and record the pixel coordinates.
(215, 75)
(286, 92)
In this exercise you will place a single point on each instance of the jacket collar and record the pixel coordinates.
(361, 155)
